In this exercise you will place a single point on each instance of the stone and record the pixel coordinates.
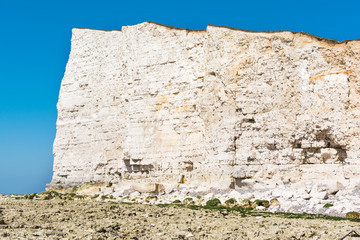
(169, 188)
(220, 108)
(319, 195)
(189, 236)
(134, 194)
(261, 208)
(274, 202)
(306, 196)
(353, 215)
(258, 203)
(247, 203)
(148, 187)
(287, 194)
(247, 196)
(234, 194)
(276, 193)
(273, 209)
(209, 196)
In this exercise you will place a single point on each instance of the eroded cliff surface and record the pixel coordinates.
(213, 109)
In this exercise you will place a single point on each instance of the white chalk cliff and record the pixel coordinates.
(210, 109)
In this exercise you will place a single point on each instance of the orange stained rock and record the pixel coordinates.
(159, 106)
(314, 79)
(181, 108)
(163, 99)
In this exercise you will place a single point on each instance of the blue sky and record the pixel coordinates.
(35, 44)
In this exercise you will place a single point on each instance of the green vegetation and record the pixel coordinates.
(162, 205)
(189, 199)
(230, 201)
(151, 197)
(127, 203)
(80, 196)
(263, 203)
(47, 195)
(328, 205)
(213, 202)
(95, 196)
(248, 211)
(32, 196)
(245, 209)
(246, 203)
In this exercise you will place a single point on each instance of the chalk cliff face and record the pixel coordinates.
(212, 109)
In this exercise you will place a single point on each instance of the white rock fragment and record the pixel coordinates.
(189, 236)
(235, 194)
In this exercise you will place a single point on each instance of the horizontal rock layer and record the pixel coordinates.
(213, 109)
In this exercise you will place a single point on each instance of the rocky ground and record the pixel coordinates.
(106, 219)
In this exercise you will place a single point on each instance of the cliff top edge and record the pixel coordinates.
(327, 40)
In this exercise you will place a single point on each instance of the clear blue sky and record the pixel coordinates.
(35, 44)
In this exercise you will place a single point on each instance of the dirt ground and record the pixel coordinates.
(83, 219)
